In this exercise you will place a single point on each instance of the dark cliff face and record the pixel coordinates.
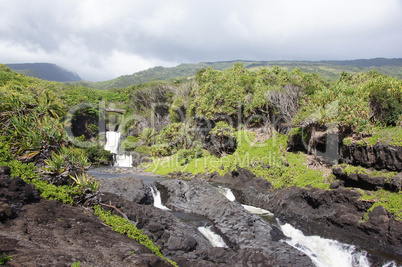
(313, 138)
(379, 156)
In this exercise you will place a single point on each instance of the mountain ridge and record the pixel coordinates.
(45, 71)
(328, 69)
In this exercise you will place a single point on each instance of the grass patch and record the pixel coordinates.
(263, 159)
(350, 169)
(392, 202)
(390, 135)
(124, 227)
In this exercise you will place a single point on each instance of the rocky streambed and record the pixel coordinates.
(250, 240)
(35, 230)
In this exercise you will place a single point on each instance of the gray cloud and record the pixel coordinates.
(103, 39)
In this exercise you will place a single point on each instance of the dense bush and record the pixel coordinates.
(97, 155)
(176, 135)
(386, 103)
(130, 143)
(238, 89)
(221, 140)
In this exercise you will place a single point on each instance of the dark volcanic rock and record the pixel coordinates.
(129, 188)
(245, 186)
(240, 229)
(379, 156)
(337, 214)
(39, 232)
(15, 191)
(367, 180)
(183, 243)
(321, 139)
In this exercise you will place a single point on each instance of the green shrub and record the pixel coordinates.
(385, 103)
(97, 155)
(4, 259)
(172, 138)
(130, 143)
(160, 150)
(147, 136)
(84, 181)
(143, 150)
(184, 156)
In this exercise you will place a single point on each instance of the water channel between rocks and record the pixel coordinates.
(323, 252)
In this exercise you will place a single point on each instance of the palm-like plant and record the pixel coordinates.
(147, 136)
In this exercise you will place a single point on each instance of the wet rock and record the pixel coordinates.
(6, 211)
(336, 184)
(130, 188)
(240, 229)
(178, 240)
(336, 214)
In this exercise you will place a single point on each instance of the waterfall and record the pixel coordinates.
(322, 251)
(227, 193)
(215, 239)
(112, 145)
(325, 252)
(124, 161)
(112, 141)
(157, 199)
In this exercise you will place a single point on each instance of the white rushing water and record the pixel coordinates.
(112, 141)
(257, 211)
(323, 252)
(157, 199)
(215, 239)
(124, 161)
(112, 145)
(227, 193)
(230, 196)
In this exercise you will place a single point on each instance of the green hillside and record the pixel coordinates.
(328, 70)
(45, 71)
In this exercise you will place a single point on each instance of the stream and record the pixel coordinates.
(322, 252)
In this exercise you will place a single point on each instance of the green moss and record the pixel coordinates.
(391, 136)
(124, 227)
(347, 141)
(391, 201)
(350, 169)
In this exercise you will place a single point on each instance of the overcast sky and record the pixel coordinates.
(103, 39)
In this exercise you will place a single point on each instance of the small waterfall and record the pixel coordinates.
(124, 161)
(325, 252)
(112, 145)
(257, 211)
(112, 141)
(390, 264)
(157, 199)
(227, 193)
(215, 239)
